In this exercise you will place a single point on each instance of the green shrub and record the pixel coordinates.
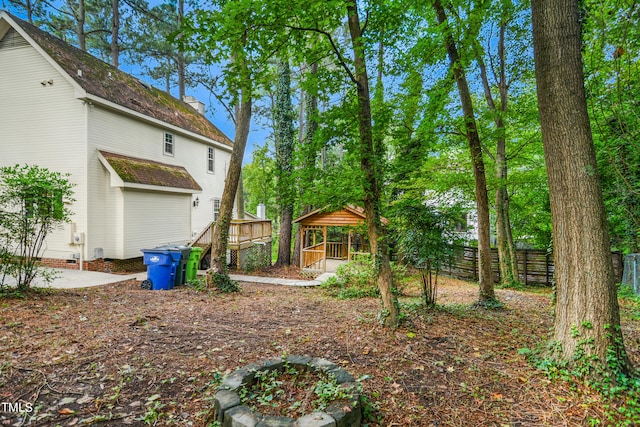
(357, 279)
(222, 282)
(257, 257)
(33, 203)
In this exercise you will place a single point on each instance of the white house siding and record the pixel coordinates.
(152, 221)
(212, 183)
(106, 218)
(43, 125)
(116, 132)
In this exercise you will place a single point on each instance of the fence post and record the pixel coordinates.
(475, 264)
(546, 257)
(525, 267)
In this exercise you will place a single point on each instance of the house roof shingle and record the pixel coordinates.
(107, 82)
(141, 171)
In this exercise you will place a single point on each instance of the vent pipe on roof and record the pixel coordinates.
(195, 104)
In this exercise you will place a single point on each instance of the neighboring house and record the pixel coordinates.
(466, 227)
(148, 169)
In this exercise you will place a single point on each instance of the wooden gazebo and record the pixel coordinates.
(315, 248)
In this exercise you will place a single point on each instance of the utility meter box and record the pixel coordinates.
(78, 238)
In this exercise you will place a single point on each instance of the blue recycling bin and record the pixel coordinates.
(161, 269)
(180, 255)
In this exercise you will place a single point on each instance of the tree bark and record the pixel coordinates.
(180, 62)
(369, 160)
(507, 262)
(221, 228)
(240, 198)
(306, 135)
(80, 20)
(284, 136)
(487, 293)
(115, 33)
(587, 319)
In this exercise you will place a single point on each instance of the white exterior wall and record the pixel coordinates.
(43, 125)
(113, 208)
(152, 221)
(46, 124)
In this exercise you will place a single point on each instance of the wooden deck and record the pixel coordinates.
(242, 234)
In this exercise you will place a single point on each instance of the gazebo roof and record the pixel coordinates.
(347, 216)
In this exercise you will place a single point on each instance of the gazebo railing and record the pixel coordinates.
(336, 250)
(313, 256)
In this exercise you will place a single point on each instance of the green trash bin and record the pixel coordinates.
(193, 263)
(180, 255)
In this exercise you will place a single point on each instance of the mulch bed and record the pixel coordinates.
(118, 355)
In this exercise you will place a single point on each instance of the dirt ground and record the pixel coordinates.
(117, 355)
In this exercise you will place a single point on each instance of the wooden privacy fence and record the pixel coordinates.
(535, 266)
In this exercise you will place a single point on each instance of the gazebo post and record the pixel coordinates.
(349, 247)
(324, 236)
(302, 230)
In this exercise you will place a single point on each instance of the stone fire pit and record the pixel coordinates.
(229, 411)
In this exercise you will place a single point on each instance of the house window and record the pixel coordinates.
(216, 209)
(211, 160)
(168, 144)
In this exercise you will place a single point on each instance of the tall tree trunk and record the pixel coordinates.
(306, 135)
(180, 57)
(587, 318)
(295, 257)
(221, 228)
(284, 136)
(507, 262)
(80, 20)
(487, 294)
(29, 7)
(369, 162)
(115, 33)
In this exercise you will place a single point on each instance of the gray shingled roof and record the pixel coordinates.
(105, 81)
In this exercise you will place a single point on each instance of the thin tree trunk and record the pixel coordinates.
(221, 228)
(115, 33)
(295, 257)
(82, 37)
(369, 163)
(587, 318)
(180, 57)
(306, 136)
(29, 8)
(487, 294)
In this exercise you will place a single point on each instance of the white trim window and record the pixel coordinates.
(211, 160)
(216, 209)
(169, 144)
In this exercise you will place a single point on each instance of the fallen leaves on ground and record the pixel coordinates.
(117, 355)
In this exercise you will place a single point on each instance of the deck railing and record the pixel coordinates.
(203, 239)
(240, 231)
